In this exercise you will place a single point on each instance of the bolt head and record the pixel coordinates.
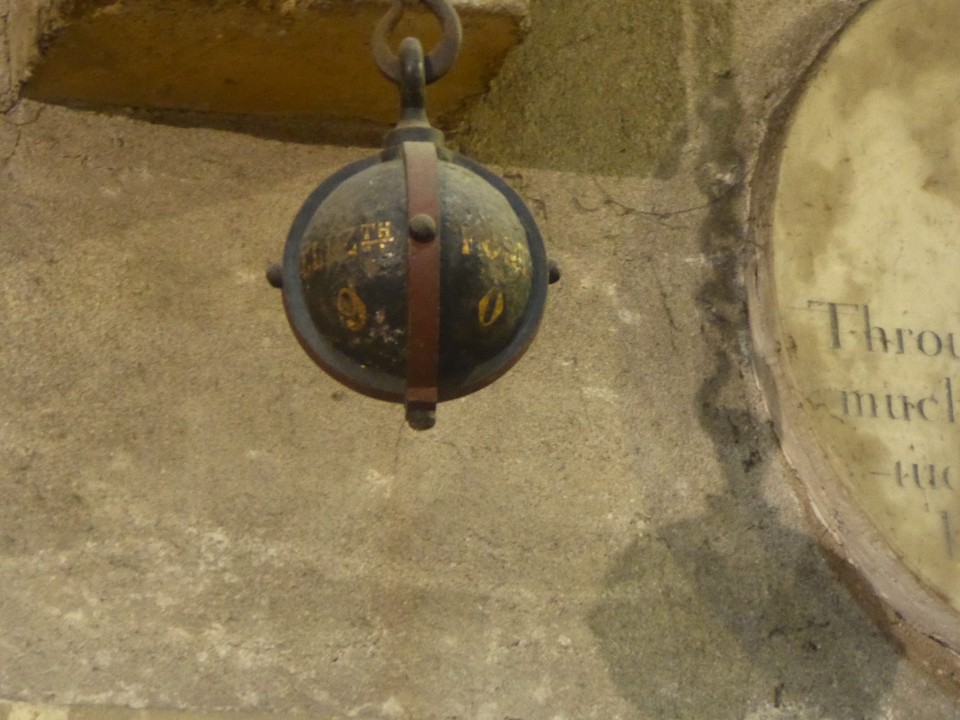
(275, 275)
(423, 228)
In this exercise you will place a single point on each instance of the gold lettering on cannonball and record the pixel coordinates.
(491, 249)
(491, 307)
(353, 312)
(369, 236)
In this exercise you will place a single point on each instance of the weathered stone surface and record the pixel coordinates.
(291, 58)
(21, 25)
(193, 516)
(852, 317)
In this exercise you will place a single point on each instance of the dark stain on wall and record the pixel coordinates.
(758, 620)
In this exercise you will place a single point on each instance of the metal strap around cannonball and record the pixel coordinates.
(423, 282)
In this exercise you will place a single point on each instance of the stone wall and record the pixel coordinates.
(22, 23)
(289, 59)
(192, 515)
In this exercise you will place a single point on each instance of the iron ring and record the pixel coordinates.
(438, 61)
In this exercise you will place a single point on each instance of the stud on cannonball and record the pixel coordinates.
(423, 228)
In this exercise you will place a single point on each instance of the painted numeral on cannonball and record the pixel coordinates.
(353, 311)
(491, 307)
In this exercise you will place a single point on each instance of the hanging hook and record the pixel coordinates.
(438, 61)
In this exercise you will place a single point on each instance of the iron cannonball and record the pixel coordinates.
(345, 282)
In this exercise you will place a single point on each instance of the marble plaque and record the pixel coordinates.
(857, 301)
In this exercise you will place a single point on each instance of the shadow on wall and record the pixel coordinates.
(749, 611)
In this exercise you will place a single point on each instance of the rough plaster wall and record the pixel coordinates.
(7, 93)
(591, 90)
(193, 516)
(22, 23)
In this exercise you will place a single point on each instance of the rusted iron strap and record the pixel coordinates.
(423, 281)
